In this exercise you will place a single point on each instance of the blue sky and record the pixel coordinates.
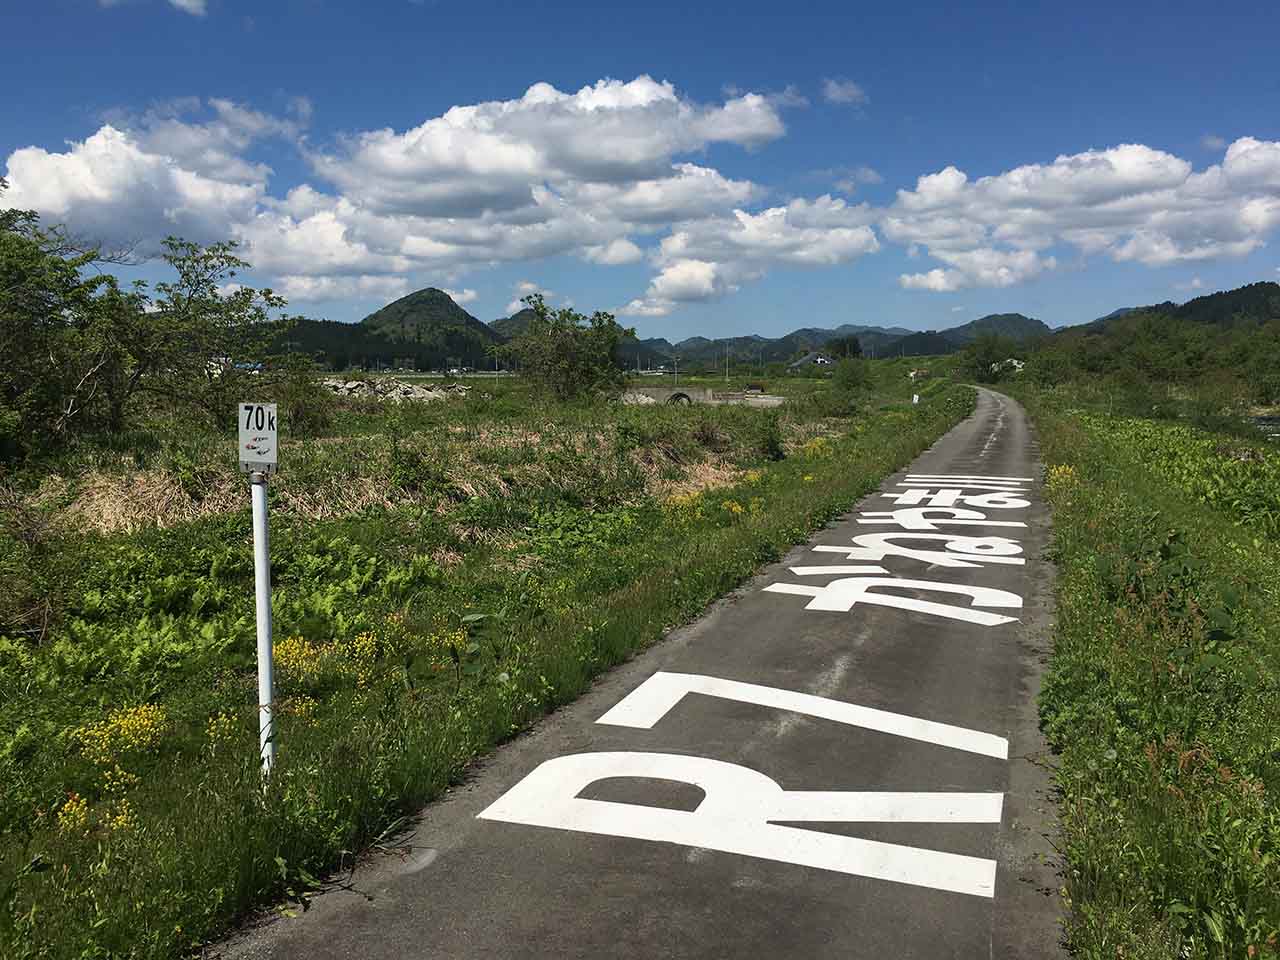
(709, 169)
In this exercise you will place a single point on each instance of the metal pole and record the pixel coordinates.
(262, 591)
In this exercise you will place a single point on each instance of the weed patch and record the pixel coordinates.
(1162, 693)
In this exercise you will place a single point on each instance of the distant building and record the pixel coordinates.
(811, 359)
(1012, 365)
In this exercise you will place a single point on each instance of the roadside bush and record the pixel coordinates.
(306, 405)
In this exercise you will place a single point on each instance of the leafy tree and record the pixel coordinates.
(76, 348)
(985, 353)
(216, 333)
(844, 347)
(46, 383)
(566, 353)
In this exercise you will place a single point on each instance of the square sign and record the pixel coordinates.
(258, 438)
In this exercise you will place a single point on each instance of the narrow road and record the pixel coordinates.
(838, 760)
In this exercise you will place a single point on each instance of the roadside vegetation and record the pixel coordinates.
(1162, 697)
(444, 574)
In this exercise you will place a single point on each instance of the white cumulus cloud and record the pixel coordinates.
(615, 252)
(838, 90)
(1129, 203)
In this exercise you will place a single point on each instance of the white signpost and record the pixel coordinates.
(258, 447)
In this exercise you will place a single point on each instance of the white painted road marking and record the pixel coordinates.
(966, 484)
(967, 476)
(922, 518)
(961, 551)
(842, 595)
(652, 700)
(999, 498)
(735, 813)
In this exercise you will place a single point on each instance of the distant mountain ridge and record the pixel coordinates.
(428, 330)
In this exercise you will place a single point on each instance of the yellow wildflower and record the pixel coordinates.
(1061, 476)
(123, 819)
(297, 658)
(732, 507)
(817, 447)
(73, 816)
(221, 729)
(303, 707)
(119, 781)
(807, 478)
(128, 729)
(361, 654)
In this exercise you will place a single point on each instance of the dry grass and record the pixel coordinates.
(340, 476)
(111, 502)
(705, 475)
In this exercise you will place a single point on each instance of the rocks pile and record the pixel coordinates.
(396, 391)
(637, 398)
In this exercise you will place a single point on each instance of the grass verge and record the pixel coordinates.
(1161, 697)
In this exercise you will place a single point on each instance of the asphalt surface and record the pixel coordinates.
(776, 779)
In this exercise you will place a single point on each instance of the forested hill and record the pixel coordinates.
(425, 329)
(1011, 326)
(1221, 338)
(1252, 305)
(430, 317)
(514, 325)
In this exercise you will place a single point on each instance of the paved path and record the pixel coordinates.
(828, 764)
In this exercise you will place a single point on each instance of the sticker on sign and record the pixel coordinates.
(258, 438)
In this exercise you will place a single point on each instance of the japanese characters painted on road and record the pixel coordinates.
(739, 805)
(258, 438)
(949, 477)
(928, 518)
(847, 592)
(957, 551)
(949, 497)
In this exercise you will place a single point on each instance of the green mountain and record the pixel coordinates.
(425, 330)
(1012, 325)
(758, 349)
(1015, 326)
(430, 319)
(514, 325)
(1252, 305)
(1228, 337)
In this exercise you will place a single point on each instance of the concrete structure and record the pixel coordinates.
(813, 359)
(686, 395)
